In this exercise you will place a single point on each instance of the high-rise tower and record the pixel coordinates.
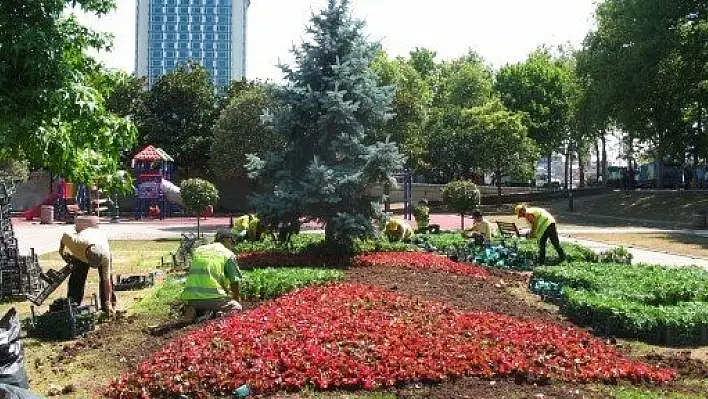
(170, 32)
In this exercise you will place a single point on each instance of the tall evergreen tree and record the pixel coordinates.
(330, 104)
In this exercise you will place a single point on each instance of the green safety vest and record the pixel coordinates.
(207, 274)
(541, 220)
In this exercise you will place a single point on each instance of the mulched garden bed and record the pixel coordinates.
(461, 292)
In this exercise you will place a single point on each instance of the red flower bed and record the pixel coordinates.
(356, 336)
(419, 260)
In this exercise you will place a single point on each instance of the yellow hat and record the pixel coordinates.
(518, 208)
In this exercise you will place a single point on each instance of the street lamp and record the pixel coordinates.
(571, 206)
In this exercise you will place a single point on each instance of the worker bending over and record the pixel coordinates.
(85, 249)
(543, 227)
(248, 227)
(398, 230)
(213, 280)
(481, 231)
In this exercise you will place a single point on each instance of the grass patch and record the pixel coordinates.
(652, 303)
(636, 393)
(256, 284)
(671, 207)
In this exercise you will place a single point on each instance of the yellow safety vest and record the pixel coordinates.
(398, 230)
(207, 274)
(541, 220)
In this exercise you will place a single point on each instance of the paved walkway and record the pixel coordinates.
(45, 238)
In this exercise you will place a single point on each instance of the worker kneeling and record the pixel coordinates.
(398, 230)
(213, 280)
(248, 227)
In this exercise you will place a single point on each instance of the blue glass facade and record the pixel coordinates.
(182, 30)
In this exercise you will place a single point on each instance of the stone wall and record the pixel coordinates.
(31, 192)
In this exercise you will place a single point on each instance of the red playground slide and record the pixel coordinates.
(35, 211)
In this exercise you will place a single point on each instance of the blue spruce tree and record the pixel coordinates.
(328, 110)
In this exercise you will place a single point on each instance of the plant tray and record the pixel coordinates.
(65, 324)
(136, 282)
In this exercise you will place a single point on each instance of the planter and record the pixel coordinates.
(84, 222)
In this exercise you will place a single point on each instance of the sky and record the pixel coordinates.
(501, 31)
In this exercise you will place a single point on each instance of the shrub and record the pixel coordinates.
(461, 196)
(652, 303)
(198, 195)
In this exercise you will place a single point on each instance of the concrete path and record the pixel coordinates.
(643, 255)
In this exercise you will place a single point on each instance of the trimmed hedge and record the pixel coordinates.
(652, 303)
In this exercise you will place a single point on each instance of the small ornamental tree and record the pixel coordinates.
(197, 196)
(461, 196)
(327, 114)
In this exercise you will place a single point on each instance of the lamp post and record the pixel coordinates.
(571, 206)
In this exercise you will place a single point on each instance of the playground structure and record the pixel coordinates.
(156, 195)
(70, 200)
(20, 276)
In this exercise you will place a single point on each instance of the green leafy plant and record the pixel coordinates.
(616, 255)
(648, 302)
(256, 284)
(461, 196)
(197, 195)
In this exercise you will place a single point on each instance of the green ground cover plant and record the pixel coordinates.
(256, 284)
(652, 303)
(314, 244)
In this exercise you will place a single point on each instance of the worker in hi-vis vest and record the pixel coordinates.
(213, 280)
(543, 228)
(398, 230)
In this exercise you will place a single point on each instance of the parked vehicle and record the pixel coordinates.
(615, 176)
(673, 176)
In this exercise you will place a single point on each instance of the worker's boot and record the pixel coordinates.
(189, 314)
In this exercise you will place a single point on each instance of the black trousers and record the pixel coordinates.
(77, 286)
(552, 234)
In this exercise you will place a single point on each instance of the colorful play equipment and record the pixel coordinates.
(156, 195)
(68, 200)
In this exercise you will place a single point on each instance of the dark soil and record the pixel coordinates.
(125, 343)
(464, 293)
(682, 362)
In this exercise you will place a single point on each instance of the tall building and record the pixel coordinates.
(170, 32)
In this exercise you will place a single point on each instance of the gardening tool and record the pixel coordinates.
(54, 279)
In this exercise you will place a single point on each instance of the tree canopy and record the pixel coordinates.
(331, 103)
(53, 93)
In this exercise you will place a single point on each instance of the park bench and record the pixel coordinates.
(180, 258)
(508, 229)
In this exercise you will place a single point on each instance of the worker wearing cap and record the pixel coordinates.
(543, 227)
(398, 230)
(213, 280)
(85, 249)
(482, 229)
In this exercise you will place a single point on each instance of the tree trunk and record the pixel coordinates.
(198, 226)
(604, 156)
(462, 221)
(548, 170)
(499, 188)
(660, 172)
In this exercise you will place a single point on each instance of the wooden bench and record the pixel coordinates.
(508, 230)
